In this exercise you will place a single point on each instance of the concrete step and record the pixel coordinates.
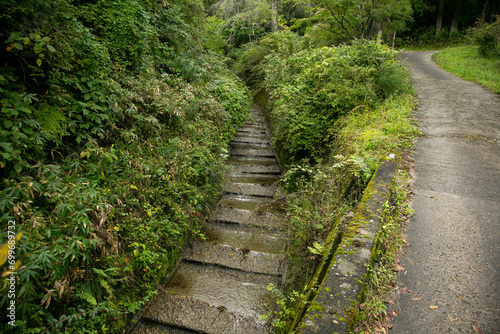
(239, 160)
(263, 190)
(240, 292)
(248, 217)
(252, 203)
(254, 152)
(227, 256)
(256, 140)
(253, 178)
(257, 238)
(250, 132)
(252, 145)
(201, 317)
(257, 169)
(152, 327)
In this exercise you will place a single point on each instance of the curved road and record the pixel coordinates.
(451, 280)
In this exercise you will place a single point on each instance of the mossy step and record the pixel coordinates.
(264, 190)
(258, 169)
(249, 131)
(257, 238)
(244, 139)
(235, 258)
(254, 145)
(253, 178)
(259, 152)
(237, 291)
(202, 317)
(239, 160)
(258, 204)
(152, 327)
(247, 217)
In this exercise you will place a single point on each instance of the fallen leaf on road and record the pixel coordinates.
(395, 313)
(477, 330)
(399, 268)
(432, 307)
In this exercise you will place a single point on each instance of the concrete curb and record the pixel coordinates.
(336, 302)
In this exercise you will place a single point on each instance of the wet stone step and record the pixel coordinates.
(252, 203)
(235, 258)
(258, 169)
(261, 152)
(248, 217)
(255, 123)
(238, 291)
(245, 131)
(251, 145)
(244, 236)
(238, 160)
(253, 178)
(253, 128)
(146, 326)
(264, 190)
(251, 142)
(188, 312)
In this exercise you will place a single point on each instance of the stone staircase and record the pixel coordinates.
(221, 283)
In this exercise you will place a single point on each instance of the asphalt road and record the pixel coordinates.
(451, 280)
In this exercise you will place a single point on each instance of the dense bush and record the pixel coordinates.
(112, 142)
(312, 88)
(487, 37)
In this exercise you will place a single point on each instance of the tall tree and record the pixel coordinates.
(347, 19)
(439, 20)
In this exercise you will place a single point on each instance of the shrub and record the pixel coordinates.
(487, 37)
(312, 88)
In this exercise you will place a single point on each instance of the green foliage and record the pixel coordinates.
(112, 140)
(282, 311)
(338, 21)
(426, 39)
(250, 62)
(487, 38)
(243, 21)
(311, 89)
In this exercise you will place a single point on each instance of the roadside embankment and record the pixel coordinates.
(340, 278)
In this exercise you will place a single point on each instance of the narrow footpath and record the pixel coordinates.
(221, 283)
(451, 277)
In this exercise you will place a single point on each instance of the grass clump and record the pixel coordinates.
(466, 63)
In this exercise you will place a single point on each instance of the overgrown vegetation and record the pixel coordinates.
(117, 117)
(335, 113)
(114, 130)
(382, 276)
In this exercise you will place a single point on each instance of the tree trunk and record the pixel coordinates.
(274, 8)
(439, 22)
(454, 22)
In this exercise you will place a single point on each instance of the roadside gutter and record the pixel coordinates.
(334, 308)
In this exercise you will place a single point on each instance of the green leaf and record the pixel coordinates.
(39, 62)
(7, 147)
(51, 48)
(18, 46)
(18, 167)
